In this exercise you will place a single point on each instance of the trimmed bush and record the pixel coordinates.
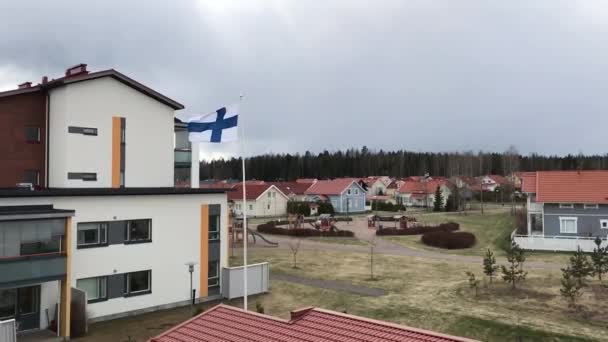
(268, 228)
(387, 206)
(444, 227)
(301, 208)
(449, 239)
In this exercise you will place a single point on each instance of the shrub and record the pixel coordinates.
(387, 206)
(444, 227)
(325, 208)
(449, 239)
(301, 208)
(521, 222)
(268, 228)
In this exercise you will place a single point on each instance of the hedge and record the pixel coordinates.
(272, 229)
(444, 227)
(387, 206)
(449, 239)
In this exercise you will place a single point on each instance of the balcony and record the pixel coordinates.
(556, 243)
(32, 269)
(182, 158)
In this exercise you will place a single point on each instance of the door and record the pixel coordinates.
(22, 304)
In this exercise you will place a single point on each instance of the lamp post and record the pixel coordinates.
(191, 271)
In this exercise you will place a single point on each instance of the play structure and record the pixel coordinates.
(235, 234)
(326, 222)
(400, 221)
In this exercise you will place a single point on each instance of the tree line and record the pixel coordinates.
(365, 162)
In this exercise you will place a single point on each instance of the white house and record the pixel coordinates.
(263, 200)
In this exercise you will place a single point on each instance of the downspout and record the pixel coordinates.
(47, 140)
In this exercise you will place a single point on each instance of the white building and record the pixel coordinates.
(263, 200)
(110, 223)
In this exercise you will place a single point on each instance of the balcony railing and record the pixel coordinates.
(556, 242)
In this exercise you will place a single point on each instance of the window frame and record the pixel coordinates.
(129, 293)
(566, 205)
(562, 219)
(99, 242)
(215, 278)
(591, 206)
(37, 176)
(602, 222)
(100, 280)
(214, 234)
(38, 138)
(128, 240)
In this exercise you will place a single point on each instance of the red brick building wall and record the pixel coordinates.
(17, 155)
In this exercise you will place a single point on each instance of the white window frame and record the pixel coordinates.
(215, 234)
(602, 223)
(566, 205)
(128, 292)
(250, 207)
(100, 241)
(214, 277)
(562, 219)
(591, 206)
(348, 192)
(128, 231)
(102, 288)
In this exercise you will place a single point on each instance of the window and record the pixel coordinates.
(31, 177)
(251, 207)
(138, 283)
(214, 274)
(270, 195)
(122, 178)
(348, 191)
(274, 195)
(356, 191)
(82, 130)
(604, 224)
(85, 176)
(32, 134)
(568, 225)
(566, 205)
(138, 231)
(92, 234)
(95, 288)
(591, 206)
(268, 206)
(214, 227)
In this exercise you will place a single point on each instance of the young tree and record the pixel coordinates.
(489, 265)
(570, 289)
(294, 246)
(438, 204)
(514, 273)
(473, 283)
(580, 267)
(599, 257)
(372, 244)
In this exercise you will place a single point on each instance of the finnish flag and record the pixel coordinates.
(218, 127)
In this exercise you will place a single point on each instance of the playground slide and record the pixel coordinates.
(253, 234)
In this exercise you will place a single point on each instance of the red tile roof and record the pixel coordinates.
(292, 188)
(528, 182)
(306, 180)
(498, 179)
(420, 187)
(253, 191)
(570, 186)
(330, 187)
(226, 323)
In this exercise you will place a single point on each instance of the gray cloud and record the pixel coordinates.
(420, 75)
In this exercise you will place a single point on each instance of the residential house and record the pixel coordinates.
(103, 215)
(392, 187)
(376, 186)
(307, 324)
(565, 209)
(421, 193)
(345, 194)
(262, 200)
(306, 180)
(489, 182)
(295, 191)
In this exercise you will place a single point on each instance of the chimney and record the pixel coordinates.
(76, 70)
(25, 85)
(45, 80)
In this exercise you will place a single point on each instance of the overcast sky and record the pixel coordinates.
(420, 75)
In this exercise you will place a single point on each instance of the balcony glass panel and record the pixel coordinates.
(29, 237)
(183, 157)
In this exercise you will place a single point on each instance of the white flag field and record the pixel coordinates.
(217, 127)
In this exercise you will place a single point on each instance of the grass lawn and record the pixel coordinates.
(492, 230)
(435, 295)
(338, 240)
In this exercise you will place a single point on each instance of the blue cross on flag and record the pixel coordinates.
(217, 127)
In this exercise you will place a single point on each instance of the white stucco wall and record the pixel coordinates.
(176, 221)
(148, 128)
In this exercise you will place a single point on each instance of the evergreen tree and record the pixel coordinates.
(489, 265)
(514, 273)
(599, 257)
(570, 289)
(580, 267)
(450, 205)
(438, 204)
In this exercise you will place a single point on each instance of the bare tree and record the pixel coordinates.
(372, 244)
(294, 246)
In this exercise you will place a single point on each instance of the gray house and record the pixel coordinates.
(345, 194)
(566, 210)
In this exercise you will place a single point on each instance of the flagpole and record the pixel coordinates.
(245, 233)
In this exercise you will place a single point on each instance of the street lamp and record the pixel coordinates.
(191, 270)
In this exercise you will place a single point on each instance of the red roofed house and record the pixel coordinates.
(262, 200)
(421, 193)
(490, 182)
(345, 194)
(295, 191)
(224, 323)
(566, 209)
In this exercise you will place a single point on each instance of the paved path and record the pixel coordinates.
(388, 248)
(331, 285)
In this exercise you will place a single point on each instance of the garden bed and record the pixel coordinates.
(270, 228)
(449, 239)
(444, 227)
